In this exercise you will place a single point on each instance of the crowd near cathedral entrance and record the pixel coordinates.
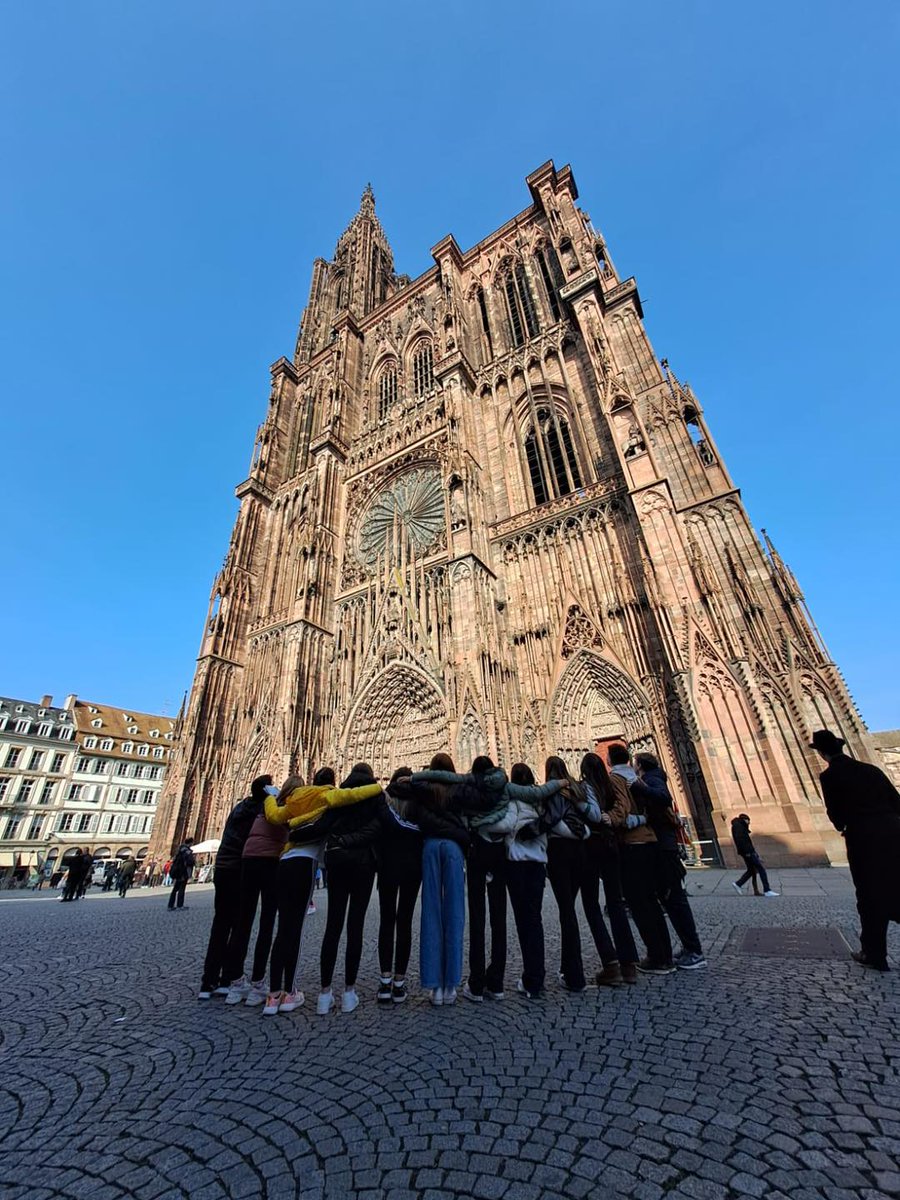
(482, 516)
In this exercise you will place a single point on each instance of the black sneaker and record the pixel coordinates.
(385, 992)
(398, 991)
(646, 967)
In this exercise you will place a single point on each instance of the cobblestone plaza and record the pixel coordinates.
(763, 1076)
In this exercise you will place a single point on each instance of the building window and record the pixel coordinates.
(25, 791)
(81, 763)
(37, 825)
(154, 733)
(106, 744)
(65, 822)
(46, 792)
(98, 724)
(551, 459)
(22, 726)
(45, 730)
(35, 760)
(4, 785)
(155, 772)
(85, 820)
(148, 796)
(158, 752)
(485, 322)
(143, 751)
(423, 369)
(133, 729)
(100, 766)
(127, 747)
(108, 821)
(131, 796)
(58, 764)
(12, 758)
(65, 735)
(75, 790)
(523, 320)
(550, 278)
(12, 828)
(387, 390)
(122, 768)
(90, 743)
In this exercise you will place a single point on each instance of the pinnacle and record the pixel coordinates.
(367, 203)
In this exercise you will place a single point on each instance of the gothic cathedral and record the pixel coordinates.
(482, 516)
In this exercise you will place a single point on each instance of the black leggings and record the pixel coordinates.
(397, 904)
(347, 885)
(293, 885)
(258, 887)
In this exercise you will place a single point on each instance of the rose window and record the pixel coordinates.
(410, 509)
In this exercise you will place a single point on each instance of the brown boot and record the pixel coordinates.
(629, 972)
(610, 976)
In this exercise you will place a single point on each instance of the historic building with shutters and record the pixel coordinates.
(482, 515)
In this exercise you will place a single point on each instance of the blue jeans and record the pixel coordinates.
(443, 914)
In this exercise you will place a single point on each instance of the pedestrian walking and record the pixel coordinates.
(743, 844)
(126, 876)
(864, 806)
(77, 866)
(180, 870)
(109, 875)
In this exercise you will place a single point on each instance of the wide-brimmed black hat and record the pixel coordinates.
(826, 741)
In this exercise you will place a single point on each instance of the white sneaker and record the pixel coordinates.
(437, 997)
(473, 996)
(771, 893)
(291, 1001)
(349, 1000)
(222, 991)
(273, 1003)
(257, 993)
(737, 887)
(450, 996)
(204, 995)
(238, 991)
(494, 995)
(325, 1003)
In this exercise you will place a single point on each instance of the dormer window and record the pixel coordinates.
(96, 724)
(132, 729)
(127, 747)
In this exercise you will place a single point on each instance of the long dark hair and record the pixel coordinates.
(555, 768)
(594, 772)
(482, 764)
(521, 774)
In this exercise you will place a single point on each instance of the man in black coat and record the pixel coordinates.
(227, 884)
(743, 843)
(864, 806)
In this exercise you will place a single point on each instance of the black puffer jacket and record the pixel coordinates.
(237, 827)
(357, 828)
(740, 835)
(399, 851)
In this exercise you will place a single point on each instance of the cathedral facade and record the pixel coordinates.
(482, 516)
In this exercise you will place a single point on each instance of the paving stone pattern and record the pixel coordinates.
(760, 1077)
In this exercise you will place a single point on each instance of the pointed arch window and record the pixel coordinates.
(548, 266)
(387, 390)
(550, 455)
(523, 318)
(485, 321)
(423, 369)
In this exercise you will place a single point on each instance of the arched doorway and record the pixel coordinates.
(594, 699)
(400, 719)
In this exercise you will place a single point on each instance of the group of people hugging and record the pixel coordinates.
(461, 840)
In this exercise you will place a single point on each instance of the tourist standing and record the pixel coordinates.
(350, 860)
(606, 806)
(399, 854)
(309, 813)
(227, 885)
(180, 870)
(743, 844)
(565, 869)
(864, 806)
(652, 793)
(75, 873)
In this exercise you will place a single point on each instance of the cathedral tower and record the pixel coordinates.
(482, 515)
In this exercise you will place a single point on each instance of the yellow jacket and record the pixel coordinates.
(305, 804)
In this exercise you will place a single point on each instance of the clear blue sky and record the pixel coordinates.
(171, 170)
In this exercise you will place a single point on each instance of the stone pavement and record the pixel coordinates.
(759, 1077)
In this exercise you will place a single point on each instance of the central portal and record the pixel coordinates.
(399, 720)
